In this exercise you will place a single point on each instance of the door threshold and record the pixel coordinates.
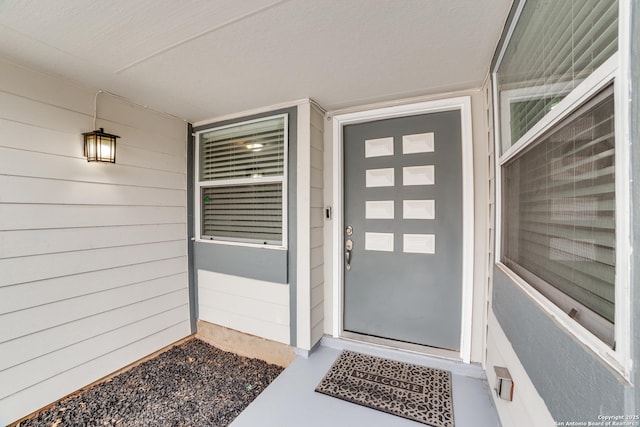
(403, 346)
(418, 355)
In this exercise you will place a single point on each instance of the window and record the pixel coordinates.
(241, 182)
(559, 215)
(555, 81)
(554, 47)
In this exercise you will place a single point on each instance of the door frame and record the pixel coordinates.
(462, 104)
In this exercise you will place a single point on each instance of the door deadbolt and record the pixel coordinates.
(349, 230)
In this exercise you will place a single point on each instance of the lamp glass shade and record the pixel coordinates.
(100, 146)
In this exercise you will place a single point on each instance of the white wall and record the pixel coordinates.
(310, 256)
(247, 305)
(481, 194)
(316, 281)
(92, 256)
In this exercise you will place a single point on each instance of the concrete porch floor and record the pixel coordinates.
(290, 400)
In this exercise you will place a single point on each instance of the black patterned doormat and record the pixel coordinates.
(415, 392)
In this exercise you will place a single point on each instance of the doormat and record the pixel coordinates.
(415, 392)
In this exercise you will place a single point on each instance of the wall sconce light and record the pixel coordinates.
(100, 146)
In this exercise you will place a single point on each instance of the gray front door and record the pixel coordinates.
(403, 223)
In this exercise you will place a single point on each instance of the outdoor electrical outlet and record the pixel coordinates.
(504, 383)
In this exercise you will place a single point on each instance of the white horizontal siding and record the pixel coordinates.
(52, 339)
(41, 267)
(28, 138)
(35, 319)
(303, 238)
(317, 237)
(316, 279)
(51, 389)
(51, 289)
(93, 256)
(20, 243)
(24, 216)
(19, 189)
(17, 162)
(310, 313)
(252, 306)
(31, 372)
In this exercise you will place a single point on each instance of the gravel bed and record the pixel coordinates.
(193, 384)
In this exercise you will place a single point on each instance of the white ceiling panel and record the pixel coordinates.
(203, 58)
(123, 31)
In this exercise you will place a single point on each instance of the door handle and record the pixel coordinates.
(348, 247)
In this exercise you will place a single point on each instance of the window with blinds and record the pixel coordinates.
(554, 47)
(250, 150)
(242, 170)
(559, 215)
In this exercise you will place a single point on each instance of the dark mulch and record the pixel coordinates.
(193, 384)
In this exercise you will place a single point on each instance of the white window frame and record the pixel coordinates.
(510, 96)
(615, 70)
(198, 185)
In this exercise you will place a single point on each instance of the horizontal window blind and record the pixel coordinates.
(242, 182)
(555, 45)
(251, 150)
(559, 210)
(243, 213)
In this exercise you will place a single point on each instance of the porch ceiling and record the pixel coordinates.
(204, 58)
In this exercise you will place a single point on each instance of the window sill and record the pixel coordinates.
(244, 245)
(601, 351)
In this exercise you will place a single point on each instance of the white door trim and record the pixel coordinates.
(463, 104)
